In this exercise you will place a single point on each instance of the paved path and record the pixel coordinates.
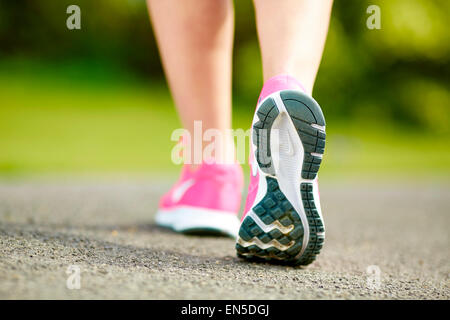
(106, 229)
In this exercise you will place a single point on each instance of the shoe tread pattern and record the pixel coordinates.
(304, 111)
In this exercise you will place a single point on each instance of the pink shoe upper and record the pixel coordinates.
(274, 84)
(278, 83)
(210, 186)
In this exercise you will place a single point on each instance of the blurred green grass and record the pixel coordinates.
(69, 121)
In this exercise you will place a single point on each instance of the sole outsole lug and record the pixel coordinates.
(305, 113)
(266, 114)
(274, 207)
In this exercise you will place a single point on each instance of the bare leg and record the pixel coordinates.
(195, 39)
(292, 36)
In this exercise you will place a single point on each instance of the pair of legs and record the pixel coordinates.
(282, 218)
(195, 39)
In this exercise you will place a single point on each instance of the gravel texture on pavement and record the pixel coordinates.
(107, 230)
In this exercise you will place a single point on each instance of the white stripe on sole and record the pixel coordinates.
(288, 167)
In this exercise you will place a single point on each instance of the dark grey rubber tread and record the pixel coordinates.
(273, 207)
(266, 114)
(305, 112)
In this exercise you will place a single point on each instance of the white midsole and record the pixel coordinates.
(288, 165)
(184, 218)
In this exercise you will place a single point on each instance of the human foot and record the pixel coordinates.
(203, 201)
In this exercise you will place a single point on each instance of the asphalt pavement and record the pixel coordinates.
(384, 241)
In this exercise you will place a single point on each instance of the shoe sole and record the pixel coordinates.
(198, 221)
(285, 224)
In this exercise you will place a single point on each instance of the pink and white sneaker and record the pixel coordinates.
(282, 218)
(204, 201)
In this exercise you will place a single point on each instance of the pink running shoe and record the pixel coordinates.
(282, 218)
(204, 201)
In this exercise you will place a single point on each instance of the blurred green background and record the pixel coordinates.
(94, 101)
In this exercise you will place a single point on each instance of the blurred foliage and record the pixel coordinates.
(399, 73)
(66, 125)
(80, 101)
